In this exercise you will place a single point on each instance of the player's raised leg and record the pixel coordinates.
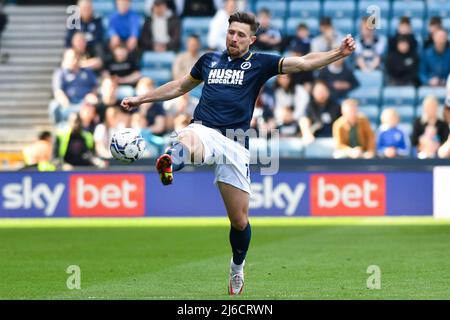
(236, 203)
(187, 150)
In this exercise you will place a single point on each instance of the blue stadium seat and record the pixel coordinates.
(409, 8)
(369, 79)
(277, 8)
(138, 6)
(290, 148)
(439, 92)
(304, 9)
(312, 23)
(197, 91)
(339, 9)
(344, 25)
(416, 23)
(160, 76)
(195, 25)
(439, 8)
(104, 8)
(320, 148)
(157, 60)
(372, 112)
(278, 23)
(405, 112)
(446, 24)
(406, 127)
(125, 91)
(384, 7)
(393, 95)
(366, 96)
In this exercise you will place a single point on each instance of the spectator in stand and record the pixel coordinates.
(124, 27)
(75, 146)
(328, 38)
(154, 144)
(435, 62)
(218, 27)
(161, 30)
(184, 104)
(154, 111)
(170, 5)
(104, 131)
(370, 47)
(39, 153)
(429, 132)
(92, 28)
(289, 94)
(301, 42)
(305, 78)
(288, 126)
(88, 115)
(198, 8)
(88, 58)
(391, 140)
(71, 84)
(122, 67)
(107, 97)
(3, 21)
(267, 37)
(263, 115)
(405, 31)
(402, 64)
(352, 133)
(339, 78)
(184, 61)
(444, 150)
(321, 113)
(434, 25)
(447, 103)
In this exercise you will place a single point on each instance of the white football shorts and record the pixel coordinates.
(232, 160)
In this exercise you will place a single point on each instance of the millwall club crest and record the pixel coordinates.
(246, 65)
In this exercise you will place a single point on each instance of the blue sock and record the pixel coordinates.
(240, 241)
(179, 154)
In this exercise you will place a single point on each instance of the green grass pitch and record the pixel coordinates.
(289, 258)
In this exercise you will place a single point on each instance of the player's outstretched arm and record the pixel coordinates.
(316, 60)
(168, 91)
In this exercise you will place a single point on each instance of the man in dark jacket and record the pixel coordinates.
(402, 64)
(161, 31)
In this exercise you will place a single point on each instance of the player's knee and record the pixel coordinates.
(239, 223)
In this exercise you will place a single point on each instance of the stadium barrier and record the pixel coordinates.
(288, 193)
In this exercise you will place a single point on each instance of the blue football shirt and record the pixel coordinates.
(231, 87)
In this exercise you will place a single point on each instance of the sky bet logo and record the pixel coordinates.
(226, 76)
(28, 195)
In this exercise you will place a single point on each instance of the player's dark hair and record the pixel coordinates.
(245, 17)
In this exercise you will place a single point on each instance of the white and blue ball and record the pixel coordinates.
(127, 145)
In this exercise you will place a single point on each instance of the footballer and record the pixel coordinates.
(232, 80)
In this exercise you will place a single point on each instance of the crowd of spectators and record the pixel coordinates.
(101, 62)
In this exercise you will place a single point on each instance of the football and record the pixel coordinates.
(127, 145)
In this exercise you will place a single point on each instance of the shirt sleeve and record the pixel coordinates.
(196, 71)
(271, 65)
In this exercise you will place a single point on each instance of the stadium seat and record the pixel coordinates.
(195, 25)
(416, 23)
(160, 76)
(339, 9)
(383, 6)
(369, 79)
(409, 8)
(104, 8)
(366, 96)
(312, 23)
(405, 112)
(399, 95)
(372, 112)
(406, 127)
(438, 92)
(290, 148)
(138, 6)
(320, 148)
(125, 91)
(277, 8)
(197, 91)
(157, 60)
(278, 23)
(344, 25)
(439, 8)
(304, 9)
